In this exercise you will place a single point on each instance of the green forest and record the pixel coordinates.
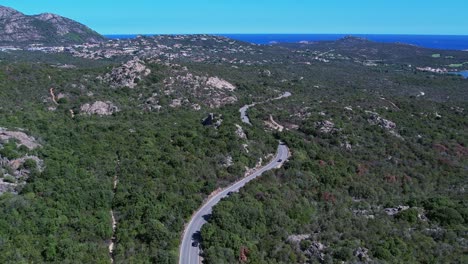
(377, 173)
(338, 197)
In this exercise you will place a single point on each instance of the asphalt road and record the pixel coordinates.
(243, 112)
(190, 246)
(245, 108)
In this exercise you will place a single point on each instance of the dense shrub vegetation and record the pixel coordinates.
(332, 201)
(337, 196)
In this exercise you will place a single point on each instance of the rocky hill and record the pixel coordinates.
(377, 172)
(18, 28)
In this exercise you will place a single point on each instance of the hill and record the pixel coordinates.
(18, 28)
(127, 138)
(385, 53)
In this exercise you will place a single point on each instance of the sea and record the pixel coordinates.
(446, 42)
(464, 74)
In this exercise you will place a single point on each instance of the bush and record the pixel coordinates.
(305, 244)
(30, 164)
(344, 253)
(446, 216)
(62, 100)
(382, 253)
(361, 191)
(410, 215)
(9, 151)
(9, 179)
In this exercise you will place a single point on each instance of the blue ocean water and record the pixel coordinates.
(428, 41)
(462, 73)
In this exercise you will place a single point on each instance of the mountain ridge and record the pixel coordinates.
(45, 28)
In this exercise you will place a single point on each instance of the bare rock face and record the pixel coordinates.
(176, 103)
(297, 238)
(362, 254)
(57, 21)
(16, 27)
(265, 73)
(316, 250)
(376, 119)
(152, 103)
(326, 127)
(15, 171)
(128, 74)
(21, 137)
(274, 125)
(217, 102)
(196, 107)
(240, 132)
(16, 164)
(218, 83)
(396, 210)
(227, 162)
(213, 91)
(99, 108)
(346, 145)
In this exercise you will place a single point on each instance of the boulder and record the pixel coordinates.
(396, 210)
(218, 83)
(326, 127)
(228, 162)
(176, 103)
(297, 238)
(376, 119)
(99, 108)
(212, 91)
(316, 251)
(208, 121)
(240, 132)
(21, 137)
(128, 74)
(362, 254)
(212, 120)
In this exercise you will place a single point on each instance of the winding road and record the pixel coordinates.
(189, 251)
(190, 246)
(243, 110)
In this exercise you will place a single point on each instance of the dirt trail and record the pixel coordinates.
(114, 221)
(52, 95)
(274, 125)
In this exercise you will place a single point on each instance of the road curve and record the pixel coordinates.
(245, 108)
(190, 247)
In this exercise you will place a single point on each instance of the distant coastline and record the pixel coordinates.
(445, 42)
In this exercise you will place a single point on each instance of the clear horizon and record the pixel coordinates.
(349, 34)
(365, 17)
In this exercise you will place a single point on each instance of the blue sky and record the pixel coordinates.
(259, 16)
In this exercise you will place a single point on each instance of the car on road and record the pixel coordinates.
(280, 160)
